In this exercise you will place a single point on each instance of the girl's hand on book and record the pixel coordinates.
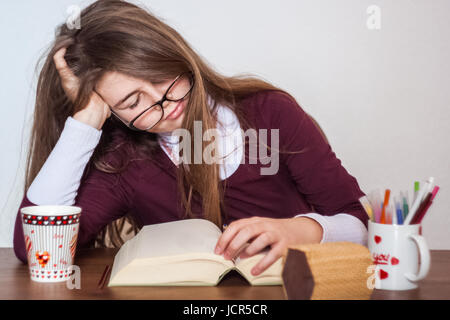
(247, 237)
(96, 111)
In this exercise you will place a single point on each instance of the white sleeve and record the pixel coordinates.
(58, 180)
(340, 227)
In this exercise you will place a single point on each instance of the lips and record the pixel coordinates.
(177, 111)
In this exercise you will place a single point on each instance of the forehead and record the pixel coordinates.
(115, 84)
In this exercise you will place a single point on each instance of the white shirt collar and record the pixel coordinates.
(229, 142)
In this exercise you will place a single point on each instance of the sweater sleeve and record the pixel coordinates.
(339, 227)
(59, 178)
(316, 171)
(103, 197)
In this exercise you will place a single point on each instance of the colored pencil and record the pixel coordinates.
(367, 207)
(385, 203)
(420, 216)
(417, 203)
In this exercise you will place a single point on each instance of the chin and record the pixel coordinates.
(175, 124)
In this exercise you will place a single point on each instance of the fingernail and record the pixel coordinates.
(255, 271)
(217, 250)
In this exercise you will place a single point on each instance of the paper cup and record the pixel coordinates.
(396, 251)
(50, 239)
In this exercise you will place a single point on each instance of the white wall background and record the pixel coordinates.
(381, 96)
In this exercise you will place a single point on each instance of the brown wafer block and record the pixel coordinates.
(329, 271)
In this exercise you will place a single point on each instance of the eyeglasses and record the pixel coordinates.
(151, 116)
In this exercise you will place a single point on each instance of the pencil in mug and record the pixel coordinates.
(367, 207)
(394, 213)
(416, 191)
(375, 200)
(418, 201)
(385, 203)
(427, 206)
(398, 211)
(429, 187)
(422, 206)
(389, 217)
(405, 205)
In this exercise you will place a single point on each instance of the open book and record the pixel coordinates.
(181, 253)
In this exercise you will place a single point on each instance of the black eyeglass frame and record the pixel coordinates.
(130, 124)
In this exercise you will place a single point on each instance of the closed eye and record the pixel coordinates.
(134, 105)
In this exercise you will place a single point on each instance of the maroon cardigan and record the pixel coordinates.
(312, 181)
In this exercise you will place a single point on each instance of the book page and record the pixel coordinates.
(271, 276)
(177, 238)
(172, 253)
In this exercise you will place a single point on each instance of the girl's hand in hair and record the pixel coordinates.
(96, 111)
(247, 237)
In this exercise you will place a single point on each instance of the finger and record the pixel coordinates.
(227, 235)
(61, 64)
(241, 238)
(230, 232)
(273, 255)
(262, 241)
(59, 60)
(241, 251)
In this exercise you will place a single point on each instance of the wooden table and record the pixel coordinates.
(15, 283)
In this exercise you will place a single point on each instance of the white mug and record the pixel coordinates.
(395, 251)
(51, 234)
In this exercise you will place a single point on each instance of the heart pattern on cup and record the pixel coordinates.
(46, 220)
(383, 259)
(383, 274)
(42, 258)
(377, 239)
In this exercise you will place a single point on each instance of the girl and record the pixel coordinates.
(109, 97)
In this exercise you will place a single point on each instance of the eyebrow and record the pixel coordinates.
(125, 98)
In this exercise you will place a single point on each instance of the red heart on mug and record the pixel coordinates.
(394, 261)
(42, 258)
(383, 274)
(377, 239)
